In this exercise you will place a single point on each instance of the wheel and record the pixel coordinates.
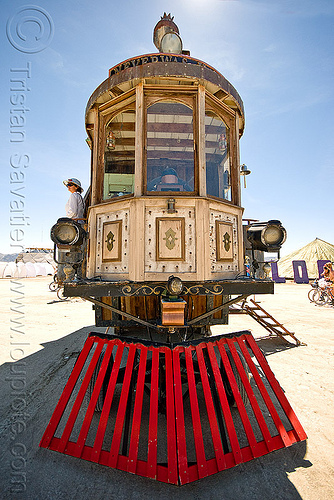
(311, 294)
(60, 294)
(320, 297)
(227, 386)
(53, 286)
(102, 395)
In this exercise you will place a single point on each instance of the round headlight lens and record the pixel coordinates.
(64, 233)
(174, 285)
(273, 235)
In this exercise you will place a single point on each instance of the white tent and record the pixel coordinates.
(311, 253)
(40, 269)
(31, 271)
(9, 270)
(20, 271)
(25, 270)
(3, 266)
(29, 264)
(49, 269)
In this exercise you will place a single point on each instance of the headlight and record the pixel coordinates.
(267, 236)
(66, 232)
(174, 285)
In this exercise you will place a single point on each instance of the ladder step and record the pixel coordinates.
(266, 320)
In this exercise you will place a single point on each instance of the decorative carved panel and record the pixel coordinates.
(112, 243)
(170, 238)
(224, 241)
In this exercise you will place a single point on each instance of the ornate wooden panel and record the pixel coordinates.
(223, 242)
(112, 242)
(170, 240)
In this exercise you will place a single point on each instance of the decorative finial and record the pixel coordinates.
(167, 17)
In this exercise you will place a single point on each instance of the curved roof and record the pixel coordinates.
(127, 74)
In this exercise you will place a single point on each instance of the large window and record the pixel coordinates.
(119, 156)
(170, 147)
(218, 175)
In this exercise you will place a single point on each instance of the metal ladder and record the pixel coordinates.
(265, 319)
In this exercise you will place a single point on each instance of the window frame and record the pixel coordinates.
(228, 116)
(180, 96)
(138, 99)
(228, 138)
(105, 119)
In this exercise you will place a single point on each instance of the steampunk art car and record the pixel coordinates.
(162, 257)
(164, 245)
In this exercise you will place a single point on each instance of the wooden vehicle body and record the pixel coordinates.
(162, 259)
(165, 199)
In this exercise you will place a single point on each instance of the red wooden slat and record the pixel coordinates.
(239, 402)
(179, 414)
(264, 393)
(197, 427)
(137, 412)
(118, 429)
(66, 394)
(93, 400)
(153, 417)
(257, 411)
(215, 434)
(225, 406)
(170, 414)
(79, 399)
(276, 388)
(107, 403)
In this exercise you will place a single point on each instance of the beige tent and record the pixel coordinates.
(37, 255)
(311, 253)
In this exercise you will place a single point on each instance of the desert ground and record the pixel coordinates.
(40, 340)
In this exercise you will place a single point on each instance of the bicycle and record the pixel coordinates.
(314, 289)
(57, 286)
(322, 296)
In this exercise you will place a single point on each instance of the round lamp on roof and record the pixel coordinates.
(166, 36)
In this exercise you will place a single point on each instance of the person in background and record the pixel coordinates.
(328, 274)
(75, 206)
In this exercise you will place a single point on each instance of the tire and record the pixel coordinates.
(227, 386)
(60, 294)
(320, 297)
(103, 391)
(53, 286)
(311, 294)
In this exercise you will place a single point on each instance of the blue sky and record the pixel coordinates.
(278, 54)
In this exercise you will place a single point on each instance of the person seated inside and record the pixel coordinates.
(168, 181)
